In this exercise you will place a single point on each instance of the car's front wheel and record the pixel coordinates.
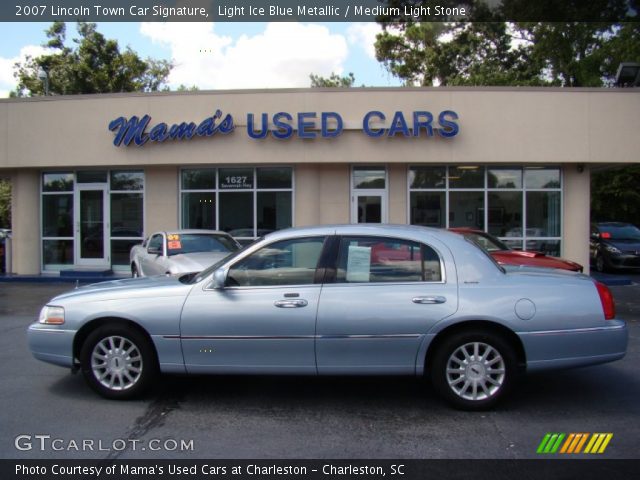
(472, 370)
(601, 266)
(134, 271)
(118, 361)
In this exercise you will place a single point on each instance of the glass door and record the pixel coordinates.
(369, 195)
(91, 226)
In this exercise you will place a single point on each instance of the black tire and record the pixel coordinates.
(130, 363)
(601, 265)
(134, 271)
(496, 373)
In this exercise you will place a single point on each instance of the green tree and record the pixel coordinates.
(5, 204)
(487, 51)
(94, 65)
(334, 81)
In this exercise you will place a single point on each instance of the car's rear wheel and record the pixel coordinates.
(472, 370)
(118, 362)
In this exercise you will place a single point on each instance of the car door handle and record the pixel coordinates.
(429, 300)
(297, 303)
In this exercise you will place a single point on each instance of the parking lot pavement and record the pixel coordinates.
(290, 417)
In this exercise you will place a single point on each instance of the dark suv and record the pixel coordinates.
(614, 245)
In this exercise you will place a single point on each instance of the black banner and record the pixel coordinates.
(319, 10)
(587, 469)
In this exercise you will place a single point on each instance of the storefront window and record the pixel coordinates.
(543, 214)
(57, 252)
(466, 176)
(57, 215)
(504, 177)
(127, 180)
(57, 182)
(236, 214)
(535, 177)
(126, 215)
(523, 204)
(427, 209)
(466, 209)
(57, 218)
(369, 178)
(273, 177)
(274, 211)
(505, 213)
(198, 178)
(427, 177)
(199, 210)
(246, 202)
(235, 178)
(118, 202)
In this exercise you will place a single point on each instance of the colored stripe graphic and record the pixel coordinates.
(574, 442)
(550, 443)
(598, 443)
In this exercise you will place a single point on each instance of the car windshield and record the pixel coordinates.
(490, 244)
(626, 232)
(178, 243)
(209, 270)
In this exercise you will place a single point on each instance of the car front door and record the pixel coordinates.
(263, 320)
(385, 294)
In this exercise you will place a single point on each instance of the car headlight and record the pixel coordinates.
(50, 315)
(611, 249)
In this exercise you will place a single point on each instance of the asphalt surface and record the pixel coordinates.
(292, 417)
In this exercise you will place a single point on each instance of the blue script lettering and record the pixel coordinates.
(135, 129)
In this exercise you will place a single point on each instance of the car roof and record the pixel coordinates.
(384, 229)
(614, 224)
(194, 231)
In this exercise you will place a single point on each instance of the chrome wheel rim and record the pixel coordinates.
(475, 371)
(116, 363)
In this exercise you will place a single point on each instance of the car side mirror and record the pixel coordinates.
(219, 279)
(154, 251)
(595, 235)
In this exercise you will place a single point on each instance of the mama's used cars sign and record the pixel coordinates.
(283, 125)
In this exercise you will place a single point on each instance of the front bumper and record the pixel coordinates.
(624, 260)
(51, 344)
(554, 349)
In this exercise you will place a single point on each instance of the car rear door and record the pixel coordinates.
(379, 302)
(264, 320)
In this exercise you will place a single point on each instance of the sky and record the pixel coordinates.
(225, 55)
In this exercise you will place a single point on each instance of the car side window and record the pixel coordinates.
(379, 259)
(289, 262)
(155, 242)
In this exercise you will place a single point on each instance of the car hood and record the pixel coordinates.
(194, 262)
(624, 245)
(161, 285)
(534, 259)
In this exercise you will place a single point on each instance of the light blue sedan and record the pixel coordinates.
(327, 300)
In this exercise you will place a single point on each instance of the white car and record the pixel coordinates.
(180, 251)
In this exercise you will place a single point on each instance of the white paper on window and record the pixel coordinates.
(358, 264)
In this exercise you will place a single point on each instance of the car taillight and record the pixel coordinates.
(608, 305)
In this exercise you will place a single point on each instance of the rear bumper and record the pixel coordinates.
(51, 344)
(575, 347)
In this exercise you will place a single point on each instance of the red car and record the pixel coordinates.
(506, 256)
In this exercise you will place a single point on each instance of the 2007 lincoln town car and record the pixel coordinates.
(351, 299)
